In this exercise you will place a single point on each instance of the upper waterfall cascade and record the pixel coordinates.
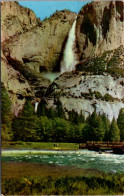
(68, 61)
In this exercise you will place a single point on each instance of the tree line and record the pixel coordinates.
(50, 125)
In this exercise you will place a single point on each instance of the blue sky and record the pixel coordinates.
(44, 9)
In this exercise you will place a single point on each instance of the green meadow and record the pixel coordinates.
(40, 145)
(37, 179)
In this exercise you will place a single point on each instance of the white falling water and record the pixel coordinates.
(36, 107)
(68, 62)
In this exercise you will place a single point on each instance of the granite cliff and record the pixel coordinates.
(100, 28)
(81, 91)
(31, 47)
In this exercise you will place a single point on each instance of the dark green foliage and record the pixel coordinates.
(75, 117)
(120, 122)
(44, 129)
(6, 115)
(51, 113)
(28, 109)
(42, 111)
(61, 128)
(106, 124)
(24, 127)
(114, 132)
(89, 185)
(108, 97)
(98, 95)
(94, 130)
(60, 110)
(109, 62)
(5, 105)
(87, 95)
(50, 125)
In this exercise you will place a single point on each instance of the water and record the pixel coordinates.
(36, 106)
(80, 159)
(51, 76)
(68, 62)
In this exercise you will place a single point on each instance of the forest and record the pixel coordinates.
(49, 125)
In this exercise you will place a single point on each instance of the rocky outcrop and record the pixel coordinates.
(111, 61)
(16, 85)
(100, 51)
(30, 47)
(82, 91)
(40, 49)
(15, 19)
(100, 28)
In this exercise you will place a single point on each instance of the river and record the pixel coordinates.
(85, 159)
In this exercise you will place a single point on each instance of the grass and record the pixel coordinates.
(40, 145)
(66, 185)
(17, 170)
(20, 178)
(37, 179)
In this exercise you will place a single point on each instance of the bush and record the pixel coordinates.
(108, 97)
(105, 185)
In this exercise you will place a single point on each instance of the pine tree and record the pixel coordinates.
(60, 111)
(99, 130)
(120, 122)
(51, 113)
(61, 129)
(106, 124)
(24, 127)
(6, 115)
(95, 128)
(5, 105)
(28, 109)
(114, 132)
(81, 117)
(42, 111)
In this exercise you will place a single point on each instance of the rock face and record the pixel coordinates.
(111, 61)
(86, 92)
(29, 47)
(100, 27)
(15, 19)
(16, 85)
(40, 48)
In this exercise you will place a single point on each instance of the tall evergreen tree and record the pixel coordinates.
(120, 122)
(95, 128)
(51, 113)
(106, 124)
(44, 129)
(61, 129)
(114, 132)
(6, 115)
(28, 109)
(42, 111)
(60, 111)
(24, 127)
(75, 117)
(81, 117)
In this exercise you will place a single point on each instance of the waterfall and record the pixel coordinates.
(36, 107)
(68, 61)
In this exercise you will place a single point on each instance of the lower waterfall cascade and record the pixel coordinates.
(36, 106)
